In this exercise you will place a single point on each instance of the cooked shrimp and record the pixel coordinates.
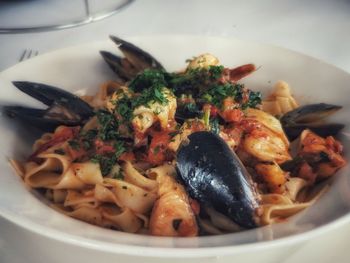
(323, 154)
(265, 145)
(273, 175)
(172, 214)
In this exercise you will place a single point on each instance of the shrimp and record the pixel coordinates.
(266, 143)
(172, 214)
(323, 154)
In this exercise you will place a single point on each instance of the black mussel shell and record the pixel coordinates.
(213, 175)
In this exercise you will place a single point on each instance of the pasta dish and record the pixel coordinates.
(185, 153)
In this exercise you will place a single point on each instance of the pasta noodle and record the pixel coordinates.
(280, 101)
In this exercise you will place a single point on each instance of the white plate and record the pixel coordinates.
(81, 69)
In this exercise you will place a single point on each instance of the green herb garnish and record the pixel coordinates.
(218, 92)
(107, 161)
(124, 108)
(216, 72)
(253, 101)
(74, 144)
(149, 78)
(214, 125)
(119, 149)
(108, 128)
(151, 95)
(87, 138)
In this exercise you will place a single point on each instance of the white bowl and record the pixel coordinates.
(81, 69)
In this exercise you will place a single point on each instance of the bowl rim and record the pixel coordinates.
(176, 252)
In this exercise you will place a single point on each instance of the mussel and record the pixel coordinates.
(215, 177)
(310, 117)
(135, 61)
(64, 108)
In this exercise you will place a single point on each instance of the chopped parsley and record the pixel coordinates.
(119, 148)
(87, 138)
(254, 100)
(216, 72)
(149, 78)
(189, 82)
(151, 95)
(124, 108)
(106, 161)
(217, 93)
(214, 125)
(74, 144)
(149, 88)
(108, 129)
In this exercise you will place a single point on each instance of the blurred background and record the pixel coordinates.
(319, 28)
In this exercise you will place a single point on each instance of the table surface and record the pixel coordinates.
(317, 28)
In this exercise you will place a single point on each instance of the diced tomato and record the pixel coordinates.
(65, 133)
(196, 126)
(234, 115)
(140, 138)
(76, 153)
(158, 147)
(127, 157)
(60, 135)
(312, 139)
(333, 144)
(230, 112)
(103, 147)
(213, 111)
(229, 104)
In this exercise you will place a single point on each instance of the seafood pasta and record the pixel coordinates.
(188, 153)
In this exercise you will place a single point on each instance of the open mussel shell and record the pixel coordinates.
(37, 118)
(324, 130)
(136, 55)
(64, 108)
(214, 176)
(135, 61)
(311, 117)
(118, 66)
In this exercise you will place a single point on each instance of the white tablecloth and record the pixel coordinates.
(317, 28)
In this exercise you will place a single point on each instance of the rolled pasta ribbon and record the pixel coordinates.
(131, 196)
(58, 172)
